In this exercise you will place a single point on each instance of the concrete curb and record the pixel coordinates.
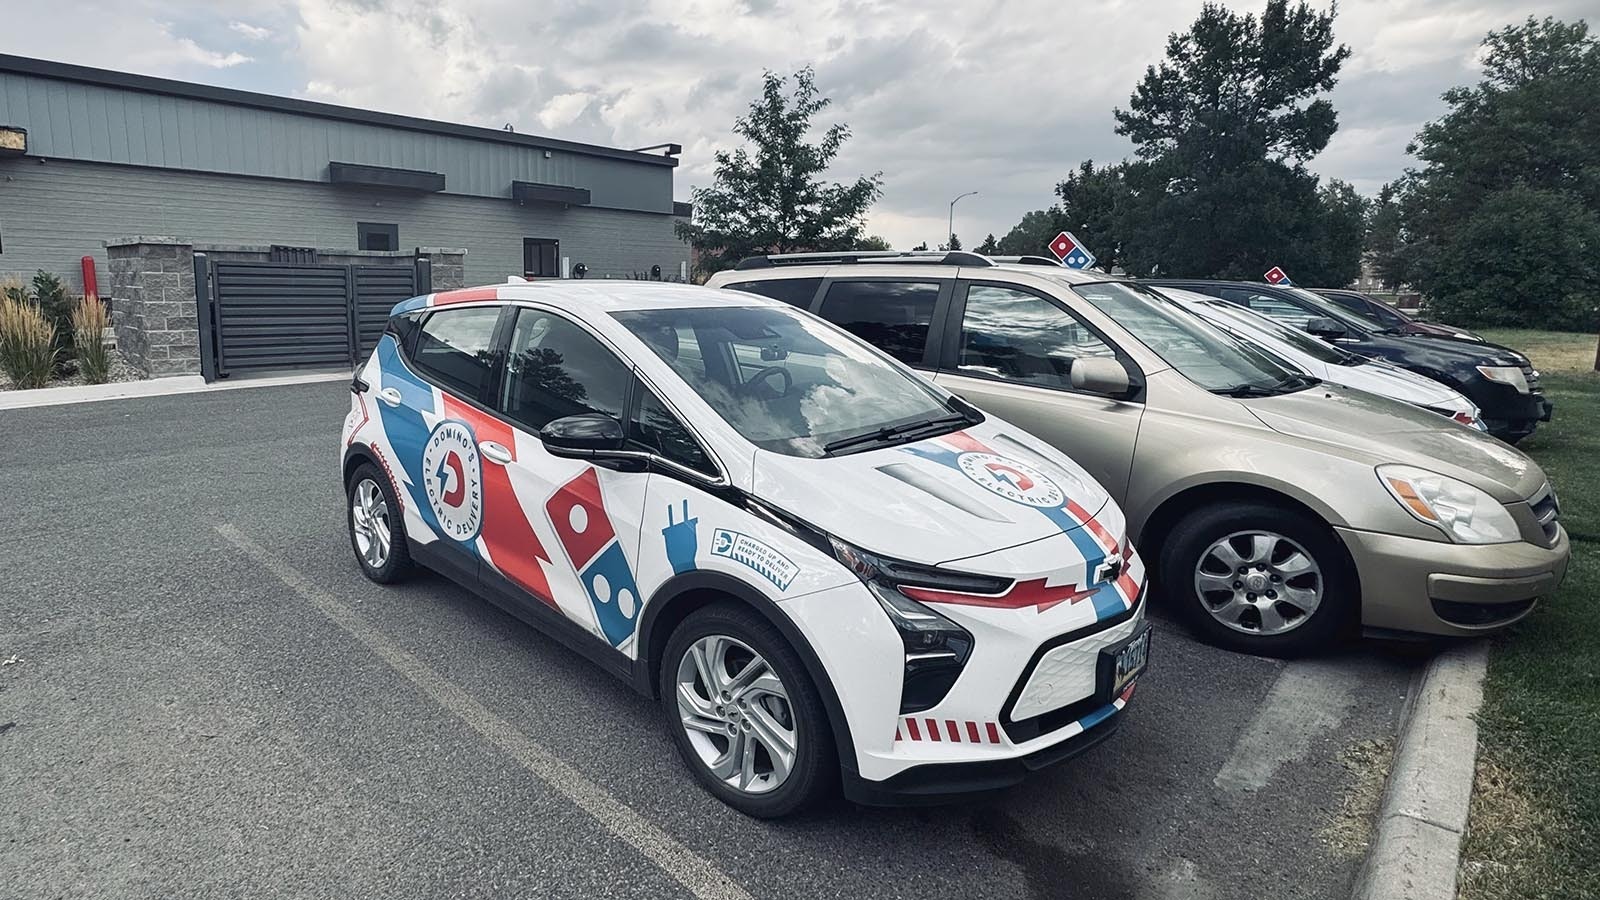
(154, 387)
(1417, 848)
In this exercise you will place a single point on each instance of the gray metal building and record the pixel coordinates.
(109, 154)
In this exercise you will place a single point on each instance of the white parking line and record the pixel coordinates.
(1307, 700)
(698, 875)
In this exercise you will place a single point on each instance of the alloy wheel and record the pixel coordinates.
(736, 713)
(1259, 583)
(369, 520)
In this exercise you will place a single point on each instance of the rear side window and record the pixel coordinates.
(455, 346)
(893, 316)
(793, 291)
(555, 369)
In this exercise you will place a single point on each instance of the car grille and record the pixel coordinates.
(1532, 375)
(1547, 509)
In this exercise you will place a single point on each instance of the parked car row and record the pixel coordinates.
(870, 520)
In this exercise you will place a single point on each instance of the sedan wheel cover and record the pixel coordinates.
(1258, 583)
(369, 522)
(736, 713)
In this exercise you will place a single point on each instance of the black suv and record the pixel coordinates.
(1500, 380)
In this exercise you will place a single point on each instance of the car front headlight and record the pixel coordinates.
(1511, 375)
(1465, 513)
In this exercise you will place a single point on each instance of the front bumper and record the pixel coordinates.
(940, 782)
(1440, 588)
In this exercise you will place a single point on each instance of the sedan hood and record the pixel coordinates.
(1396, 383)
(985, 488)
(1388, 431)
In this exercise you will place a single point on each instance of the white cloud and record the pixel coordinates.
(189, 51)
(943, 96)
(253, 32)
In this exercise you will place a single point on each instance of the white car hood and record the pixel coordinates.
(1398, 384)
(987, 487)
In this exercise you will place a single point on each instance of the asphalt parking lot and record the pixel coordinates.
(204, 697)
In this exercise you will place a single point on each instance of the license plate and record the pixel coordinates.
(1124, 663)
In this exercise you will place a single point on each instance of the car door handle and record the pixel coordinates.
(390, 396)
(495, 452)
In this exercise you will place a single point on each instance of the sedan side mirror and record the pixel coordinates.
(1100, 375)
(1327, 329)
(582, 435)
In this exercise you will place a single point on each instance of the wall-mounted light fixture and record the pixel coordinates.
(13, 140)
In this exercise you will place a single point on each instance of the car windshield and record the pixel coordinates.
(1200, 351)
(1322, 306)
(1319, 350)
(1377, 312)
(790, 383)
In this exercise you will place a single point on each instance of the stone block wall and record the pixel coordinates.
(153, 306)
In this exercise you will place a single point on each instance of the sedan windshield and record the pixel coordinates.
(1322, 306)
(1319, 350)
(1200, 351)
(791, 384)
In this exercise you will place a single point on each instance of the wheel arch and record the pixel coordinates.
(1158, 525)
(354, 456)
(684, 593)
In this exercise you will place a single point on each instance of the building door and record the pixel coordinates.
(541, 258)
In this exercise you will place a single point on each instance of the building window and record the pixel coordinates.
(377, 236)
(541, 258)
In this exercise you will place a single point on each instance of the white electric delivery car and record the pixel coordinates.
(827, 568)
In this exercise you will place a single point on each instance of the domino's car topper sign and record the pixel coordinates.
(1278, 277)
(1071, 251)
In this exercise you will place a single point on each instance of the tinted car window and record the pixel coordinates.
(893, 316)
(1020, 337)
(793, 291)
(454, 346)
(656, 429)
(555, 369)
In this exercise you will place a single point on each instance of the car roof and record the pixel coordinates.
(909, 267)
(584, 298)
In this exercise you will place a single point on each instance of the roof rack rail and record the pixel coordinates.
(932, 257)
(1030, 261)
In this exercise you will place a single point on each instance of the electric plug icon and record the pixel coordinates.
(681, 539)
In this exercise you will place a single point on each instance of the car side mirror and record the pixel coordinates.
(1327, 329)
(587, 434)
(1100, 375)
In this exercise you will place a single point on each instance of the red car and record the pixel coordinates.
(1388, 318)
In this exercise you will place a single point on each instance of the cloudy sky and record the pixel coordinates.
(997, 96)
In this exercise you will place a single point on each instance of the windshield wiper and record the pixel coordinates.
(891, 432)
(1293, 382)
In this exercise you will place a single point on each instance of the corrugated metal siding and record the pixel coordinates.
(93, 123)
(52, 213)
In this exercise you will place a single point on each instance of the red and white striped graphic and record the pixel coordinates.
(947, 731)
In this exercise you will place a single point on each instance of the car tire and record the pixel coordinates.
(393, 562)
(813, 767)
(1202, 546)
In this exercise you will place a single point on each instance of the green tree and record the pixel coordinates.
(1222, 129)
(1501, 225)
(921, 246)
(1096, 205)
(1032, 235)
(873, 242)
(989, 247)
(770, 197)
(1385, 236)
(953, 244)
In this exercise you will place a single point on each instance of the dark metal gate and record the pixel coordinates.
(274, 315)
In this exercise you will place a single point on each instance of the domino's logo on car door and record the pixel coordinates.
(578, 514)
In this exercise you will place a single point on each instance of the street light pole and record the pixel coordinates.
(950, 228)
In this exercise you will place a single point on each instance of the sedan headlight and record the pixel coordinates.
(1511, 375)
(1465, 513)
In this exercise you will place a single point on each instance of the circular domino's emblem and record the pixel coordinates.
(452, 476)
(1011, 479)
